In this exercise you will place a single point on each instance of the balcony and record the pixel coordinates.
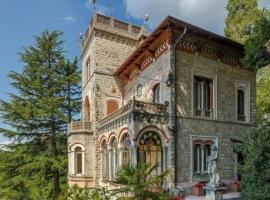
(135, 112)
(80, 127)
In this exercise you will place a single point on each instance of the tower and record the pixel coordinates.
(107, 43)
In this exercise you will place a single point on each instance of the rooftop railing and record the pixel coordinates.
(110, 24)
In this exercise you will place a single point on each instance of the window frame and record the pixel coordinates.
(115, 99)
(204, 139)
(74, 160)
(139, 90)
(154, 91)
(125, 150)
(204, 75)
(245, 87)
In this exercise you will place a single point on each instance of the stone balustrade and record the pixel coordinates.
(80, 126)
(134, 110)
(109, 23)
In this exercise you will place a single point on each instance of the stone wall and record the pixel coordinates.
(226, 81)
(156, 72)
(88, 141)
(222, 128)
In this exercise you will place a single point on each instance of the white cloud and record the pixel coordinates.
(208, 14)
(69, 18)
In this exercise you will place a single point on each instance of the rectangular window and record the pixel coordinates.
(203, 97)
(200, 153)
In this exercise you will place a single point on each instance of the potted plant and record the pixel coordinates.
(235, 185)
(197, 189)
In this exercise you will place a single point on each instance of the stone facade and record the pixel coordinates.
(152, 83)
(224, 126)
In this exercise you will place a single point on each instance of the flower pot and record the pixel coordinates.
(235, 187)
(197, 191)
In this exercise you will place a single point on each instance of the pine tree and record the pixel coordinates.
(242, 15)
(35, 165)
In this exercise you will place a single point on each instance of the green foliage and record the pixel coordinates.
(249, 25)
(134, 183)
(141, 182)
(242, 16)
(35, 165)
(263, 93)
(97, 193)
(256, 168)
(256, 53)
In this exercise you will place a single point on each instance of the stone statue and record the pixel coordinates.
(213, 168)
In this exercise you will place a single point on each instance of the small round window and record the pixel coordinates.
(139, 90)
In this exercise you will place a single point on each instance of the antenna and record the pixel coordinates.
(146, 19)
(94, 4)
(80, 38)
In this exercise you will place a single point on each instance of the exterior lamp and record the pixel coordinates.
(169, 80)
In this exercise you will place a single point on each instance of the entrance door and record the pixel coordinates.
(150, 150)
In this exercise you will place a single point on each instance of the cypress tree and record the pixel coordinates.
(34, 166)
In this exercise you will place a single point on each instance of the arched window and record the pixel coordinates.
(150, 150)
(126, 153)
(241, 116)
(201, 150)
(156, 94)
(114, 158)
(78, 161)
(87, 114)
(112, 106)
(139, 90)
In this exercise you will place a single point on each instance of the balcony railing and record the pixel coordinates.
(138, 110)
(80, 126)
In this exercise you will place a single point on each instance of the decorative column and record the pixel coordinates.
(110, 164)
(134, 155)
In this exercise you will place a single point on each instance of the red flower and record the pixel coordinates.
(199, 184)
(235, 182)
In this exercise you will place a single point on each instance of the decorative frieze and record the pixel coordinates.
(209, 52)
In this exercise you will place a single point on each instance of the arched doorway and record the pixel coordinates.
(86, 109)
(150, 150)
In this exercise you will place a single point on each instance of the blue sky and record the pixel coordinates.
(20, 20)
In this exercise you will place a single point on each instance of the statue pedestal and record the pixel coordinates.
(214, 193)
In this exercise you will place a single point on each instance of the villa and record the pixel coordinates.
(162, 97)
